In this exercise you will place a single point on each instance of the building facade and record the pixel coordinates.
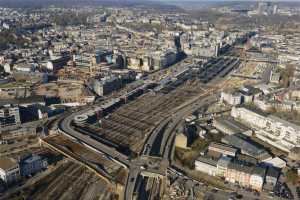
(206, 166)
(32, 164)
(9, 115)
(271, 129)
(9, 170)
(257, 178)
(232, 98)
(222, 149)
(238, 174)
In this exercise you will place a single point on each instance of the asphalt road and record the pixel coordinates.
(65, 128)
(177, 117)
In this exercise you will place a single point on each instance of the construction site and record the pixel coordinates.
(129, 126)
(66, 91)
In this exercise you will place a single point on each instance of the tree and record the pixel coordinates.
(287, 75)
(121, 176)
(292, 176)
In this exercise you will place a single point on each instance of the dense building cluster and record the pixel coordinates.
(159, 101)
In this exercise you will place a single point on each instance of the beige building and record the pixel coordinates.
(237, 173)
(181, 141)
(9, 170)
(257, 178)
(222, 165)
(222, 149)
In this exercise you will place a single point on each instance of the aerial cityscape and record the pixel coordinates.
(149, 100)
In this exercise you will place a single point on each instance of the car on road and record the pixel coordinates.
(214, 190)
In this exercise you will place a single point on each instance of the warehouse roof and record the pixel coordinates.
(221, 146)
(7, 163)
(231, 124)
(240, 166)
(272, 172)
(259, 171)
(245, 144)
(207, 160)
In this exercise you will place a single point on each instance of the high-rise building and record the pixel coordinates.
(275, 9)
(262, 7)
(267, 8)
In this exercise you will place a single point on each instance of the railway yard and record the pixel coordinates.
(67, 181)
(127, 129)
(104, 167)
(129, 126)
(217, 67)
(148, 187)
(149, 101)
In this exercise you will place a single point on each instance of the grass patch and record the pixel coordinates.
(187, 157)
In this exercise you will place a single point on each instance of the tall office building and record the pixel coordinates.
(267, 8)
(275, 9)
(262, 7)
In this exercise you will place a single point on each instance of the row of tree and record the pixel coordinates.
(8, 38)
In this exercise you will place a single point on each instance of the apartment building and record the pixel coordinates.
(9, 170)
(238, 173)
(222, 149)
(257, 178)
(9, 115)
(271, 129)
(231, 97)
(234, 171)
(222, 165)
(206, 165)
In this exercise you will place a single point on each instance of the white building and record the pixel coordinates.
(276, 162)
(206, 166)
(273, 130)
(7, 68)
(25, 68)
(232, 98)
(9, 170)
(252, 118)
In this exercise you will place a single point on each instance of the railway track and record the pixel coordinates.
(41, 188)
(62, 185)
